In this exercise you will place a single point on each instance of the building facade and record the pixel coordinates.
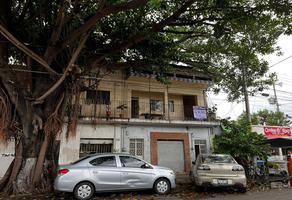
(139, 115)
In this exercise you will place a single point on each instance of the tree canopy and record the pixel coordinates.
(238, 140)
(266, 117)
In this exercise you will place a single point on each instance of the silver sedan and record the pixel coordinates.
(112, 172)
(218, 170)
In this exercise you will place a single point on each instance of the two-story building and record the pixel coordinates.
(137, 114)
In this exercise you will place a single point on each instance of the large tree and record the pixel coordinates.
(47, 47)
(266, 117)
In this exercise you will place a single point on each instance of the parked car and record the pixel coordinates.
(217, 170)
(112, 172)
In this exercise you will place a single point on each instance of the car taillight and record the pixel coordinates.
(237, 168)
(204, 167)
(63, 171)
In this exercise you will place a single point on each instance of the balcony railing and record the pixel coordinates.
(142, 109)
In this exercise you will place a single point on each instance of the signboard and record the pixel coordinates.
(200, 112)
(277, 132)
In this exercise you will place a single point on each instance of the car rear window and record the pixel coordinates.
(81, 159)
(105, 161)
(217, 159)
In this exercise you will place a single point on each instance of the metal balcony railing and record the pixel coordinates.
(142, 109)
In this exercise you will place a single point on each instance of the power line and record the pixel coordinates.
(280, 61)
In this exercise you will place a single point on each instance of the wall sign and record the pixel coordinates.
(200, 112)
(276, 132)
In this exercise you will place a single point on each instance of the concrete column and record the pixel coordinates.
(69, 147)
(166, 111)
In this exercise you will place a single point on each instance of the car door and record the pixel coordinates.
(105, 172)
(135, 173)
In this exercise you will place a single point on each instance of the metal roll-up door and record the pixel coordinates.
(171, 154)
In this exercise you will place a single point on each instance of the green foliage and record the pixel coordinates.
(217, 37)
(239, 141)
(266, 117)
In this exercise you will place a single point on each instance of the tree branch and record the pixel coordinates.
(26, 50)
(89, 24)
(66, 72)
(141, 36)
(56, 32)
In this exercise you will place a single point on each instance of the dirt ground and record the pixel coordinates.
(183, 191)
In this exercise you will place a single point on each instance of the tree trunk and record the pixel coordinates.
(40, 162)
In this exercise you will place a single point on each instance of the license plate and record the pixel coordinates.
(222, 182)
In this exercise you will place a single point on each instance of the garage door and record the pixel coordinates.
(171, 154)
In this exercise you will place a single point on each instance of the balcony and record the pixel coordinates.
(139, 111)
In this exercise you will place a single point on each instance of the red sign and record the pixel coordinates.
(274, 132)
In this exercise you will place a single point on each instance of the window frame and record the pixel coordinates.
(115, 159)
(102, 97)
(122, 164)
(136, 148)
(156, 105)
(171, 108)
(202, 143)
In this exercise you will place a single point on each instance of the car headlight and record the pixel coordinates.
(172, 172)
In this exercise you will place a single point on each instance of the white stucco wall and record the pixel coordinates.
(69, 147)
(6, 155)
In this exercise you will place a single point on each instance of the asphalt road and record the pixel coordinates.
(272, 194)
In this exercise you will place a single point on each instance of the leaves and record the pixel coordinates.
(239, 141)
(266, 117)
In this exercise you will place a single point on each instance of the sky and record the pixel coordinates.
(283, 68)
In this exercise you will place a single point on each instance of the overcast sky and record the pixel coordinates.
(259, 102)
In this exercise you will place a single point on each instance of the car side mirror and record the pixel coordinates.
(193, 162)
(146, 166)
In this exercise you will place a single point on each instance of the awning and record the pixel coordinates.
(280, 142)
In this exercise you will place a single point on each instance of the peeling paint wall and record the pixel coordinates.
(69, 147)
(6, 156)
(121, 134)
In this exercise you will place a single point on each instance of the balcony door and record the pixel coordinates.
(135, 107)
(189, 102)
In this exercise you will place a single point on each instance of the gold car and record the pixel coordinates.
(217, 170)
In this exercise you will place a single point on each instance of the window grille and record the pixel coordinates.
(202, 145)
(136, 147)
(97, 97)
(156, 105)
(171, 106)
(91, 146)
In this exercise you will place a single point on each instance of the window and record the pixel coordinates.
(97, 97)
(200, 147)
(217, 159)
(156, 105)
(171, 106)
(137, 147)
(128, 161)
(93, 145)
(106, 161)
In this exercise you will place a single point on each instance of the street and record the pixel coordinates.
(273, 194)
(183, 192)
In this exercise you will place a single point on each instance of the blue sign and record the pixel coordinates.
(200, 112)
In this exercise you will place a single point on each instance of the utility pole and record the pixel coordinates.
(275, 94)
(246, 99)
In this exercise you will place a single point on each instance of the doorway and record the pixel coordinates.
(135, 107)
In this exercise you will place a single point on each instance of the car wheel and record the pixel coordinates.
(162, 186)
(84, 191)
(242, 190)
(199, 188)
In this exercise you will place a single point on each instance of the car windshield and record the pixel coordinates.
(217, 159)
